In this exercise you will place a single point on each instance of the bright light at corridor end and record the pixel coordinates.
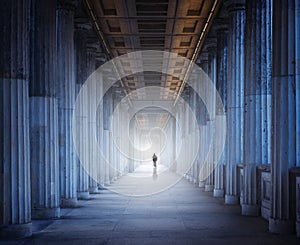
(113, 151)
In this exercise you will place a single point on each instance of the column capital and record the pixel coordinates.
(235, 5)
(83, 26)
(211, 47)
(221, 25)
(100, 57)
(203, 57)
(67, 4)
(92, 46)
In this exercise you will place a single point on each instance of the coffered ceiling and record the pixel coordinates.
(178, 26)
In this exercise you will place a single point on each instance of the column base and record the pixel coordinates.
(69, 203)
(45, 213)
(265, 213)
(101, 187)
(218, 193)
(94, 190)
(209, 188)
(195, 181)
(201, 184)
(250, 210)
(280, 226)
(298, 229)
(16, 231)
(83, 195)
(231, 199)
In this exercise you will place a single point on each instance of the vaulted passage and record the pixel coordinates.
(90, 90)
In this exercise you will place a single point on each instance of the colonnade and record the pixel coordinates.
(46, 55)
(257, 80)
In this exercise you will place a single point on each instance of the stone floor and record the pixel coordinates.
(184, 214)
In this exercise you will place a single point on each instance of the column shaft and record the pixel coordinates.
(66, 97)
(235, 96)
(204, 146)
(211, 123)
(256, 120)
(90, 58)
(81, 76)
(15, 213)
(43, 112)
(221, 85)
(283, 114)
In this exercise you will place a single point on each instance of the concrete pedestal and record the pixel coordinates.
(218, 193)
(202, 184)
(280, 226)
(16, 231)
(94, 190)
(250, 210)
(208, 188)
(69, 203)
(231, 199)
(45, 213)
(83, 195)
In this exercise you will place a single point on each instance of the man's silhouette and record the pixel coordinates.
(154, 158)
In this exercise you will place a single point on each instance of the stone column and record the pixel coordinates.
(43, 113)
(195, 144)
(177, 164)
(177, 140)
(90, 59)
(81, 33)
(235, 97)
(221, 85)
(107, 110)
(257, 96)
(211, 122)
(100, 130)
(297, 81)
(65, 83)
(284, 101)
(203, 122)
(15, 214)
(187, 133)
(118, 95)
